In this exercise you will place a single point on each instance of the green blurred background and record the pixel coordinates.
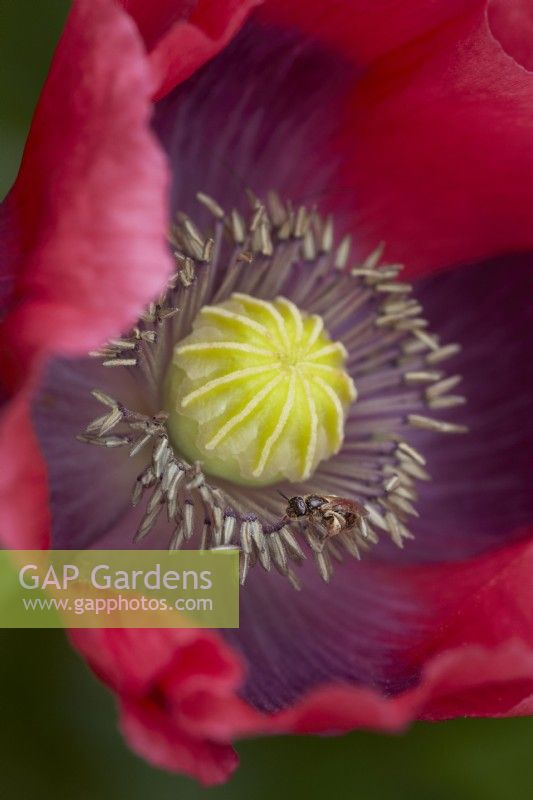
(58, 735)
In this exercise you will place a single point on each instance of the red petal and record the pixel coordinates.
(179, 704)
(511, 22)
(88, 212)
(468, 681)
(438, 130)
(365, 30)
(179, 39)
(479, 661)
(489, 599)
(153, 735)
(442, 160)
(154, 671)
(24, 511)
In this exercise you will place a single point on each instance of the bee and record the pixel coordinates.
(332, 514)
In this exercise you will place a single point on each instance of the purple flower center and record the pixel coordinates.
(370, 482)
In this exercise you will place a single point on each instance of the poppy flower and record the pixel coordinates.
(347, 197)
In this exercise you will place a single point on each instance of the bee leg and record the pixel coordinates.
(316, 525)
(334, 523)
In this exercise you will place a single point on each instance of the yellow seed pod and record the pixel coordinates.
(258, 392)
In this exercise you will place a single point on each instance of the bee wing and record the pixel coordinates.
(341, 505)
(329, 506)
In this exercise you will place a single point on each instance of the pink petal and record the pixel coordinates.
(88, 212)
(181, 39)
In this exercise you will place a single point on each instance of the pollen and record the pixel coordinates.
(258, 391)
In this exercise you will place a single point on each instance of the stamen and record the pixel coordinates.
(419, 421)
(395, 361)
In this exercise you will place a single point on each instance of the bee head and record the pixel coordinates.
(296, 507)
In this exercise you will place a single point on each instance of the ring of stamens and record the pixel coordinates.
(396, 363)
